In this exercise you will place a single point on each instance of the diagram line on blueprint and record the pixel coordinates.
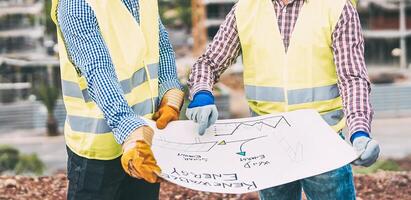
(251, 123)
(271, 122)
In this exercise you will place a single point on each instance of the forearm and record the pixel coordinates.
(168, 78)
(354, 84)
(220, 54)
(355, 92)
(105, 91)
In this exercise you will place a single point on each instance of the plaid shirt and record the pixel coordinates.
(88, 51)
(347, 44)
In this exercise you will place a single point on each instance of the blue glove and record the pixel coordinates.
(202, 110)
(367, 148)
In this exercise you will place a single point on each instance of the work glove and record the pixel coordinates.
(367, 148)
(138, 160)
(169, 108)
(202, 110)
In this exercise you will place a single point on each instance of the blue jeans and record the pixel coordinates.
(334, 185)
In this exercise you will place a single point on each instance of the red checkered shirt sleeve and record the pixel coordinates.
(220, 54)
(354, 84)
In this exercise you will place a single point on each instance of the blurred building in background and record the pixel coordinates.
(216, 12)
(27, 53)
(386, 24)
(24, 55)
(21, 31)
(387, 32)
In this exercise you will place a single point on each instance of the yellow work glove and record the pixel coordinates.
(138, 160)
(169, 108)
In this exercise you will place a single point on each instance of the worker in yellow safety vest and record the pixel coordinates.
(297, 54)
(117, 67)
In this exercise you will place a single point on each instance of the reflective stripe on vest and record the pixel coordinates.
(99, 126)
(260, 93)
(72, 89)
(313, 94)
(299, 96)
(139, 77)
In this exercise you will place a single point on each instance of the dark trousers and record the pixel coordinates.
(105, 180)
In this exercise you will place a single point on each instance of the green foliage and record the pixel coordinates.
(50, 26)
(48, 95)
(184, 11)
(29, 163)
(181, 10)
(9, 158)
(385, 165)
(12, 160)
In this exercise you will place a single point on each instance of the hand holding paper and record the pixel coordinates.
(138, 160)
(368, 149)
(169, 108)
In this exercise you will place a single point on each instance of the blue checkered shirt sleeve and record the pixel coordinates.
(89, 52)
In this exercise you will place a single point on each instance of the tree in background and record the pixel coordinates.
(176, 13)
(50, 26)
(48, 95)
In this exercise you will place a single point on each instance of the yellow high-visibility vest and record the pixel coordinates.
(134, 50)
(305, 76)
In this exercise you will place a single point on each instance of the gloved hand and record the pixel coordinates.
(367, 148)
(169, 108)
(138, 160)
(202, 110)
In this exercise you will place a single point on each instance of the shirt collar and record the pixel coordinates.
(282, 5)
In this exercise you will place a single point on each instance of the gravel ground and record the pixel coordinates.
(378, 186)
(384, 186)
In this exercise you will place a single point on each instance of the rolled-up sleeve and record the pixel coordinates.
(354, 84)
(219, 55)
(168, 78)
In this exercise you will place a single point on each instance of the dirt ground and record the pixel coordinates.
(378, 186)
(405, 163)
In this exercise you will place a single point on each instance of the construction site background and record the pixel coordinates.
(29, 61)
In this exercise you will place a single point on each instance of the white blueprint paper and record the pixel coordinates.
(250, 154)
